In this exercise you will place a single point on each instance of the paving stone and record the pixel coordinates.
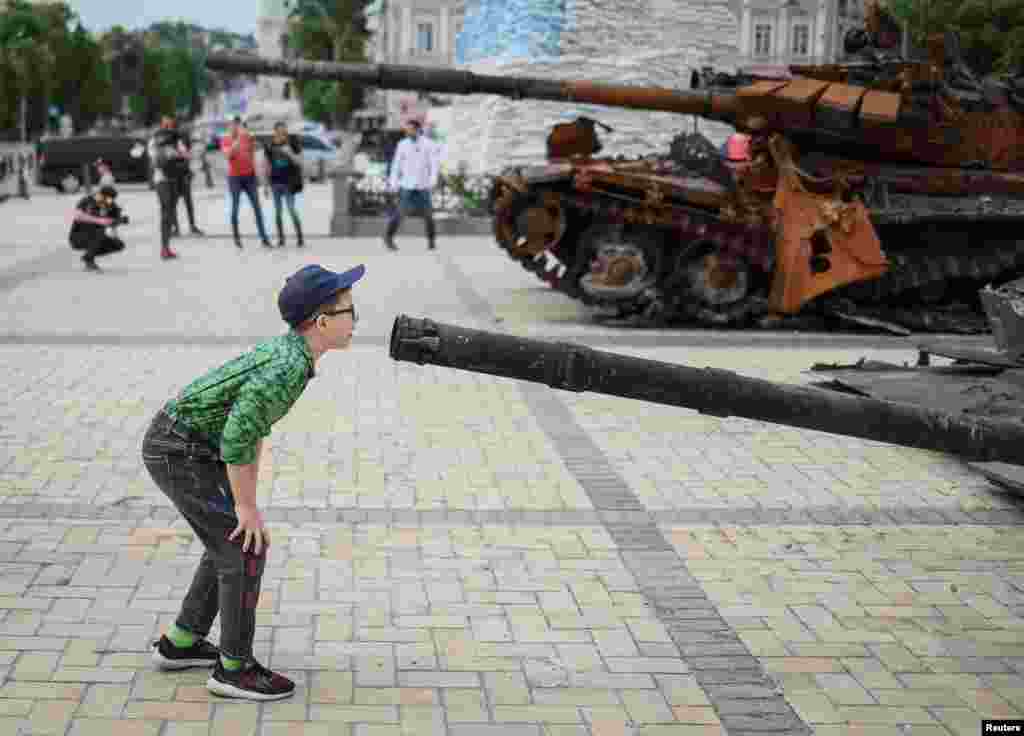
(412, 503)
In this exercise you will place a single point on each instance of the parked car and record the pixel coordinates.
(60, 160)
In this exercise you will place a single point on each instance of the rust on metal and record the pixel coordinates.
(822, 242)
(879, 109)
(895, 195)
(794, 103)
(838, 105)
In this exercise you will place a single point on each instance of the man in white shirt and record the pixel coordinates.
(414, 171)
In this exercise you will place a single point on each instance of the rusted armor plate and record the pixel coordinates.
(837, 107)
(795, 102)
(880, 109)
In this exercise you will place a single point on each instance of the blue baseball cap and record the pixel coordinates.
(311, 286)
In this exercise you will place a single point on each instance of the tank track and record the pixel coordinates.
(912, 275)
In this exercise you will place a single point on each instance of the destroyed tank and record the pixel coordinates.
(882, 192)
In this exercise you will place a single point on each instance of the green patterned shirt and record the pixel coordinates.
(234, 405)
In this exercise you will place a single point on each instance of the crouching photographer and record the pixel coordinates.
(94, 229)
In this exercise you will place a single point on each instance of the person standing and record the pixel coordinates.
(284, 173)
(239, 149)
(169, 158)
(186, 193)
(203, 450)
(413, 175)
(94, 214)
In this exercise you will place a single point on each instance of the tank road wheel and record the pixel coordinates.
(714, 290)
(624, 263)
(530, 223)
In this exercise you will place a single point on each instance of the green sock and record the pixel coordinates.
(231, 665)
(181, 638)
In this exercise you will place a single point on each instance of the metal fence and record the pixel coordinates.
(455, 194)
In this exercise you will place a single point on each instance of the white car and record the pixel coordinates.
(315, 149)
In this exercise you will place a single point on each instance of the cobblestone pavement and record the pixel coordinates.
(472, 556)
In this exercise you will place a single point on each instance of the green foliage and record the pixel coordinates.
(329, 30)
(50, 59)
(26, 54)
(991, 31)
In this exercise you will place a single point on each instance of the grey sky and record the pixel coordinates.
(233, 15)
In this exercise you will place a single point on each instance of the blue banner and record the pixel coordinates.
(497, 30)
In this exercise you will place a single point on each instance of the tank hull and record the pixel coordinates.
(686, 240)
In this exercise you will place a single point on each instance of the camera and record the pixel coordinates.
(121, 220)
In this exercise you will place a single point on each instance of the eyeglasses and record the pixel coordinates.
(349, 310)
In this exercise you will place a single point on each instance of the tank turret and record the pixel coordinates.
(891, 108)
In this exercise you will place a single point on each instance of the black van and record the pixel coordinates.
(60, 160)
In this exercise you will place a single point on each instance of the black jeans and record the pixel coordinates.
(96, 243)
(168, 191)
(185, 193)
(227, 580)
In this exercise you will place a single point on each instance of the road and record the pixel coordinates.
(456, 554)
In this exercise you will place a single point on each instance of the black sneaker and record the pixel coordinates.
(197, 232)
(390, 244)
(252, 682)
(166, 656)
(90, 264)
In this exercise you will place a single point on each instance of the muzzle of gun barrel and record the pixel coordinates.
(414, 340)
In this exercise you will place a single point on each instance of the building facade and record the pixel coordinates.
(420, 32)
(270, 98)
(653, 43)
(272, 41)
(775, 32)
(644, 42)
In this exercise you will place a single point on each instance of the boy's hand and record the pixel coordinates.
(250, 525)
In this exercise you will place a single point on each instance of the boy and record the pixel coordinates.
(203, 451)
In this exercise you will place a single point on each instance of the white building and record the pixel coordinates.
(272, 98)
(793, 31)
(420, 32)
(648, 42)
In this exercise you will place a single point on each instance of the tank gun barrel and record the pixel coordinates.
(716, 106)
(708, 390)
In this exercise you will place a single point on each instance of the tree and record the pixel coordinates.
(991, 31)
(82, 84)
(332, 30)
(25, 58)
